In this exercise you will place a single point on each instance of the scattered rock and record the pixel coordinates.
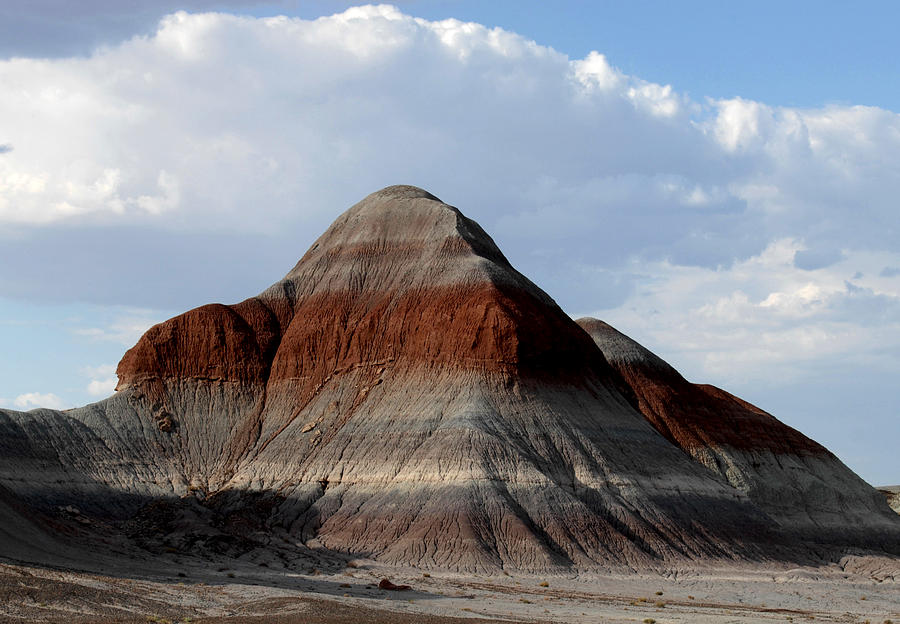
(386, 584)
(165, 424)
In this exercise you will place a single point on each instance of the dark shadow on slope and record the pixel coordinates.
(232, 537)
(220, 541)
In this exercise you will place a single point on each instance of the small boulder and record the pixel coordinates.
(386, 584)
(165, 423)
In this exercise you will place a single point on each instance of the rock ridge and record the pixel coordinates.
(793, 478)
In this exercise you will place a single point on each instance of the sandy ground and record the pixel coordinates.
(856, 591)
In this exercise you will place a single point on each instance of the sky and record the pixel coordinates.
(717, 180)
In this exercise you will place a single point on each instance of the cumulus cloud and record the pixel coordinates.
(216, 113)
(736, 325)
(32, 400)
(262, 129)
(214, 116)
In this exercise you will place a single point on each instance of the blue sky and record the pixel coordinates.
(799, 53)
(717, 180)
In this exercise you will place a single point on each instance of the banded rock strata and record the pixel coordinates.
(795, 480)
(405, 394)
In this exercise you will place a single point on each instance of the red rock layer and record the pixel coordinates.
(487, 326)
(401, 277)
(215, 342)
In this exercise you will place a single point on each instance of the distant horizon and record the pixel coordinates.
(734, 213)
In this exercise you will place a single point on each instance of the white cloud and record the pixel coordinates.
(31, 400)
(102, 387)
(103, 379)
(594, 71)
(104, 370)
(742, 124)
(217, 113)
(763, 320)
(216, 116)
(124, 329)
(580, 169)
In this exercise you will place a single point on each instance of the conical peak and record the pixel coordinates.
(398, 230)
(402, 191)
(404, 213)
(403, 276)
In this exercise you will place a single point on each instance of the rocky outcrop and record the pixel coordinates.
(404, 393)
(892, 494)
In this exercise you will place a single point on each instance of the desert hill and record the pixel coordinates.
(404, 394)
(795, 480)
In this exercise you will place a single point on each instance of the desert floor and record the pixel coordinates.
(172, 590)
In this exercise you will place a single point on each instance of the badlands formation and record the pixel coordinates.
(892, 494)
(405, 398)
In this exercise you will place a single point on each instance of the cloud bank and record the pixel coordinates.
(744, 238)
(32, 400)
